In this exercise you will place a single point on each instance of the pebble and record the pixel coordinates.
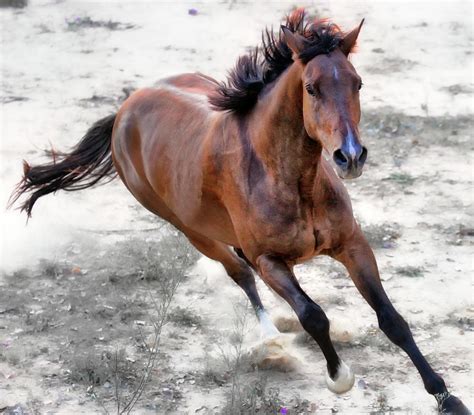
(361, 384)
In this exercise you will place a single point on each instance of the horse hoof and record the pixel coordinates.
(451, 405)
(343, 381)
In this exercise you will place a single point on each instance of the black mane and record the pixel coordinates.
(263, 65)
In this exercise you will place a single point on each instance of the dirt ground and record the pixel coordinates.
(82, 285)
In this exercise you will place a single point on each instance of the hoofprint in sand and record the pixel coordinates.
(415, 198)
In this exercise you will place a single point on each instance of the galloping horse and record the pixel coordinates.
(239, 164)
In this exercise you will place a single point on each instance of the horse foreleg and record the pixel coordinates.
(278, 275)
(358, 258)
(241, 273)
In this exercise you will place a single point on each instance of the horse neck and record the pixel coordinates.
(279, 137)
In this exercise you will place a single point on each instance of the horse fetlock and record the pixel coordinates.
(449, 404)
(342, 381)
(435, 385)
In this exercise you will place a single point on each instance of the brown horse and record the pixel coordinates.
(240, 165)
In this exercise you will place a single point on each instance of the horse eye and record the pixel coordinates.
(310, 90)
(360, 85)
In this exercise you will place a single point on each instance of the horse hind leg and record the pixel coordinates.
(283, 324)
(238, 269)
(272, 351)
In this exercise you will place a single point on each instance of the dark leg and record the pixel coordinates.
(276, 273)
(240, 272)
(358, 258)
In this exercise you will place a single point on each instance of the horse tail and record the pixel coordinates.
(88, 162)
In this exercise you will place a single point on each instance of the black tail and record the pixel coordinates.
(83, 167)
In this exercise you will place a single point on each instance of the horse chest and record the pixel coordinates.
(281, 227)
(297, 233)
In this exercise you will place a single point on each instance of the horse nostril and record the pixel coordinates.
(363, 156)
(340, 158)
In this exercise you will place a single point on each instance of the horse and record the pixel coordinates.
(250, 170)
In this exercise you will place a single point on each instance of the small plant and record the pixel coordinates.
(381, 406)
(247, 394)
(77, 23)
(184, 317)
(50, 269)
(167, 270)
(94, 368)
(410, 271)
(254, 397)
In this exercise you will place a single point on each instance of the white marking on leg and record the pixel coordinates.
(343, 381)
(267, 327)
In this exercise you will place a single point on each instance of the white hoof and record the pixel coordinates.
(343, 381)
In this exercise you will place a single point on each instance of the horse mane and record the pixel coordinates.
(261, 66)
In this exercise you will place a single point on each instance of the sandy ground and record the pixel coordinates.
(72, 286)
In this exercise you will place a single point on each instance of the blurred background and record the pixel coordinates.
(73, 285)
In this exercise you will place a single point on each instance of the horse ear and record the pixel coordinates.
(349, 40)
(294, 41)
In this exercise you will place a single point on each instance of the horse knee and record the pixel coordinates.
(313, 319)
(394, 326)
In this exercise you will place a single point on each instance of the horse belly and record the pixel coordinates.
(213, 221)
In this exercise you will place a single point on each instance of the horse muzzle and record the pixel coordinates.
(350, 160)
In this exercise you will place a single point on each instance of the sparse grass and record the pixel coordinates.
(404, 179)
(462, 320)
(18, 356)
(151, 260)
(383, 235)
(166, 271)
(247, 393)
(94, 312)
(76, 23)
(18, 4)
(254, 398)
(49, 268)
(214, 371)
(95, 368)
(410, 271)
(184, 317)
(381, 406)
